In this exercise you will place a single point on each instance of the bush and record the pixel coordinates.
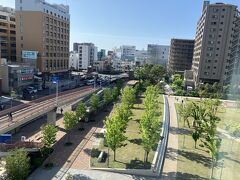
(95, 153)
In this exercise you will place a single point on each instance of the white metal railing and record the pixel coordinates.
(159, 157)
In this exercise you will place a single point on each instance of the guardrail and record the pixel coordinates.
(8, 147)
(159, 157)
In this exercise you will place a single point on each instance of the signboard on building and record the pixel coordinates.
(29, 54)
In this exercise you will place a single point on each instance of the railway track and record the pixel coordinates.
(34, 108)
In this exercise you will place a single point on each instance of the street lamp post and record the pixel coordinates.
(55, 81)
(56, 93)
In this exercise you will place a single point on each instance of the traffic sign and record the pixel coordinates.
(55, 79)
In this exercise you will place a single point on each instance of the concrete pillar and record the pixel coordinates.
(51, 117)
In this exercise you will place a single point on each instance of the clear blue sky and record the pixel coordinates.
(111, 23)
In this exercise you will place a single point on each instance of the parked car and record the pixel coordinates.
(28, 94)
(32, 89)
(90, 82)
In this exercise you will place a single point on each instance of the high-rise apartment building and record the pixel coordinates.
(234, 67)
(43, 28)
(158, 54)
(7, 34)
(85, 56)
(128, 53)
(181, 54)
(213, 42)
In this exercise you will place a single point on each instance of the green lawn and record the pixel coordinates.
(196, 163)
(131, 155)
(230, 119)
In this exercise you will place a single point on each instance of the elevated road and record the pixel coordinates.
(25, 113)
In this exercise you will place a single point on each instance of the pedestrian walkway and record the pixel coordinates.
(170, 164)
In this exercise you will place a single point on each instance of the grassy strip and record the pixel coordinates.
(131, 155)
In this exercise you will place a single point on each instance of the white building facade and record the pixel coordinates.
(85, 56)
(141, 56)
(128, 53)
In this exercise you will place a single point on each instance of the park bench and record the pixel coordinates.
(101, 156)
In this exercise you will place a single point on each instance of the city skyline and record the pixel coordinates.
(151, 22)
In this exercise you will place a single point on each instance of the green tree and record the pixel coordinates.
(151, 73)
(49, 133)
(115, 93)
(114, 136)
(123, 113)
(70, 121)
(95, 102)
(184, 111)
(107, 96)
(149, 123)
(128, 97)
(17, 165)
(150, 126)
(81, 111)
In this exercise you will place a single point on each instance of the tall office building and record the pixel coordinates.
(128, 53)
(86, 54)
(43, 28)
(181, 54)
(158, 54)
(213, 41)
(7, 34)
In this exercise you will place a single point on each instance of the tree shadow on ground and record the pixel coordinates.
(138, 164)
(98, 135)
(136, 141)
(171, 154)
(199, 158)
(144, 178)
(188, 176)
(181, 131)
(138, 121)
(87, 151)
(234, 160)
(81, 177)
(138, 108)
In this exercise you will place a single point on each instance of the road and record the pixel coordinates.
(24, 112)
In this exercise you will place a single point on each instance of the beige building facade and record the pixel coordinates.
(213, 42)
(44, 28)
(7, 34)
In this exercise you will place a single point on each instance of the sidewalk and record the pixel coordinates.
(170, 164)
